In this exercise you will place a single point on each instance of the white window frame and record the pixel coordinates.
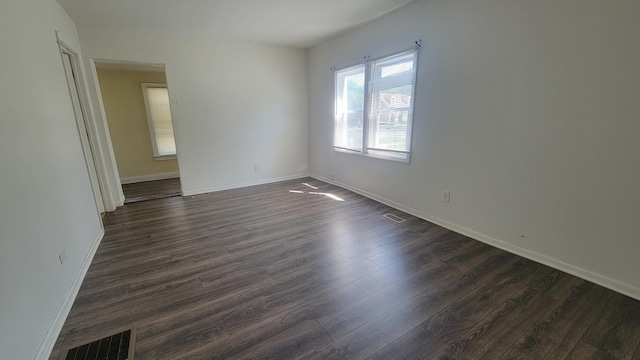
(152, 131)
(366, 150)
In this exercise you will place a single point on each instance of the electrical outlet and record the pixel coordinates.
(62, 256)
(446, 196)
(256, 168)
(332, 177)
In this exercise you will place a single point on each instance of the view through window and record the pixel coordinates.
(374, 107)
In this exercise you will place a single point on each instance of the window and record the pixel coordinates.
(156, 98)
(374, 107)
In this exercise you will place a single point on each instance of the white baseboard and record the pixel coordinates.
(120, 202)
(46, 347)
(604, 281)
(150, 177)
(243, 184)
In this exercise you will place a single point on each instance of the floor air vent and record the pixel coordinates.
(115, 347)
(395, 218)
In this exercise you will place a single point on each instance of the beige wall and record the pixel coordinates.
(127, 119)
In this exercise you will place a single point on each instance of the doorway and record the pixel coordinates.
(136, 101)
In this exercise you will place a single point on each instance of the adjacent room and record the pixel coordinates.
(138, 113)
(371, 179)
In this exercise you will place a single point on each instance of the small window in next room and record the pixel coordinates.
(374, 107)
(156, 98)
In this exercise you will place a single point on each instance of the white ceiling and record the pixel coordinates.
(299, 23)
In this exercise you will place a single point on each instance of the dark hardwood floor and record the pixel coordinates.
(306, 270)
(151, 190)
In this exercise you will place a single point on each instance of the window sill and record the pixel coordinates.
(165, 157)
(375, 156)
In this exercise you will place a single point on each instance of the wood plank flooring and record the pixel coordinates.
(305, 270)
(150, 190)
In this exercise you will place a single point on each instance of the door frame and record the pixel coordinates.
(100, 112)
(89, 147)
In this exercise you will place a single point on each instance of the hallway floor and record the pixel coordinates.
(150, 190)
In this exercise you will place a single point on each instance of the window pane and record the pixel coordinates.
(390, 118)
(391, 110)
(158, 99)
(348, 131)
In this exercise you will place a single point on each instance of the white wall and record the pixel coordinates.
(234, 104)
(46, 202)
(527, 111)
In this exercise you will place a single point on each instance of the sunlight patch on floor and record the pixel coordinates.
(329, 195)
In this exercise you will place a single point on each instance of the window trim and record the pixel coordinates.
(366, 150)
(152, 130)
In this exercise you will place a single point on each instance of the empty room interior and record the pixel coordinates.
(280, 179)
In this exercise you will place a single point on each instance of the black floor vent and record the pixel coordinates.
(115, 347)
(395, 218)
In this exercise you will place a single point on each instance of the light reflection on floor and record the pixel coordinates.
(311, 186)
(331, 196)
